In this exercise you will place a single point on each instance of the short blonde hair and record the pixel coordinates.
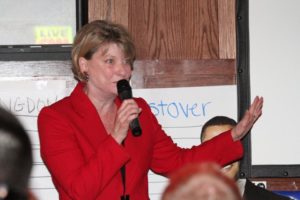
(96, 34)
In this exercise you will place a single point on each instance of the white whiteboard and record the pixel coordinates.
(181, 111)
(275, 75)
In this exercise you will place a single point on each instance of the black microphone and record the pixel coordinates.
(124, 92)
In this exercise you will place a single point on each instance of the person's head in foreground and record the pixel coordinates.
(215, 126)
(201, 182)
(15, 158)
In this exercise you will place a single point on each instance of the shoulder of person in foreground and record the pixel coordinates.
(202, 182)
(16, 158)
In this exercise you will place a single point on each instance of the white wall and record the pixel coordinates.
(275, 75)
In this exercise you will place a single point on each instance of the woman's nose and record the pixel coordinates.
(122, 68)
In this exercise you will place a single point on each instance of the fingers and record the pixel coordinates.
(256, 107)
(260, 105)
(249, 118)
(128, 111)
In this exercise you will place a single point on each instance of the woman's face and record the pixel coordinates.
(107, 66)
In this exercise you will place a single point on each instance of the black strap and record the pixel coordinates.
(123, 175)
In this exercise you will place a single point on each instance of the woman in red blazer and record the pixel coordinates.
(85, 138)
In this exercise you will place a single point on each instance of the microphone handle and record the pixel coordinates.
(135, 127)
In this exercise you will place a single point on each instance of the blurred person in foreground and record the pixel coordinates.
(86, 140)
(214, 127)
(201, 182)
(15, 159)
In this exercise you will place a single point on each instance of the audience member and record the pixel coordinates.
(201, 182)
(214, 127)
(15, 158)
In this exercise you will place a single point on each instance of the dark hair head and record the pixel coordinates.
(94, 35)
(217, 121)
(16, 158)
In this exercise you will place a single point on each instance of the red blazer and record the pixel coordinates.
(85, 161)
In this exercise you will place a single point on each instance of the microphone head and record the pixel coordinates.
(124, 89)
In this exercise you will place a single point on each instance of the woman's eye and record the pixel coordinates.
(109, 61)
(126, 61)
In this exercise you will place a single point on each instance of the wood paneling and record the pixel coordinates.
(183, 73)
(113, 10)
(143, 23)
(174, 29)
(227, 33)
(99, 9)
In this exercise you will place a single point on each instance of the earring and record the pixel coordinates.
(85, 76)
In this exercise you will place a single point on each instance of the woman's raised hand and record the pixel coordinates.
(249, 118)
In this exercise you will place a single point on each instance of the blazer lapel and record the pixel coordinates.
(91, 126)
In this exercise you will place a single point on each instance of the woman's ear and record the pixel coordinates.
(83, 64)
